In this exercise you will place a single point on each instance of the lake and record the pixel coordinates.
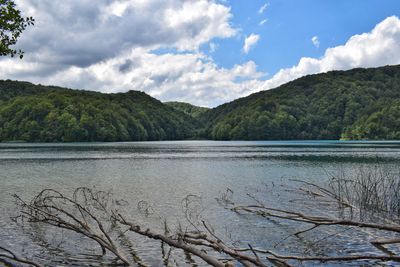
(163, 173)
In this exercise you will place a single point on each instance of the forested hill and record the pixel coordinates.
(354, 104)
(47, 114)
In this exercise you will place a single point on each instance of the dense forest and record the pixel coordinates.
(354, 104)
(39, 113)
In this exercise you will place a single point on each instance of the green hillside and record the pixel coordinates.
(354, 104)
(39, 113)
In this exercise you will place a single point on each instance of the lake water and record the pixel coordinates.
(163, 173)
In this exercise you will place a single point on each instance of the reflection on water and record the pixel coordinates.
(163, 173)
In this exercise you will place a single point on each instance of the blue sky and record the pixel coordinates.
(204, 52)
(286, 36)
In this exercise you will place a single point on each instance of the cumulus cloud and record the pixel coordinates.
(379, 47)
(263, 8)
(250, 41)
(80, 33)
(315, 41)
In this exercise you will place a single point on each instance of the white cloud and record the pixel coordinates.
(315, 41)
(262, 22)
(379, 47)
(80, 33)
(250, 41)
(263, 8)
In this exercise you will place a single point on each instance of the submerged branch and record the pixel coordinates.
(92, 214)
(315, 220)
(9, 255)
(52, 208)
(337, 258)
(177, 243)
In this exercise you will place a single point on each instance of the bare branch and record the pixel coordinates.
(316, 220)
(177, 243)
(337, 258)
(7, 254)
(53, 208)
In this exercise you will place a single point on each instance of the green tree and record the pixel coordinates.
(12, 24)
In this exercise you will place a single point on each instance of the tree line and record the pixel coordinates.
(356, 104)
(50, 114)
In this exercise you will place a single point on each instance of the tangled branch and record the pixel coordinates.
(316, 191)
(96, 215)
(80, 214)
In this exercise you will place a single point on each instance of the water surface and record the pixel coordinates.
(163, 173)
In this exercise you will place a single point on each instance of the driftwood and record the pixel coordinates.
(315, 220)
(318, 221)
(180, 242)
(95, 214)
(77, 214)
(91, 213)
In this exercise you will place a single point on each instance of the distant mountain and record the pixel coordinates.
(354, 104)
(47, 114)
(187, 108)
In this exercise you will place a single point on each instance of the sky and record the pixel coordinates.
(204, 52)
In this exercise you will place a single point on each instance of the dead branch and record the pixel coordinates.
(385, 241)
(323, 192)
(338, 258)
(89, 213)
(177, 243)
(325, 259)
(92, 214)
(190, 242)
(7, 254)
(317, 221)
(77, 214)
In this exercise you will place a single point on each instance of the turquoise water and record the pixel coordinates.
(163, 173)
